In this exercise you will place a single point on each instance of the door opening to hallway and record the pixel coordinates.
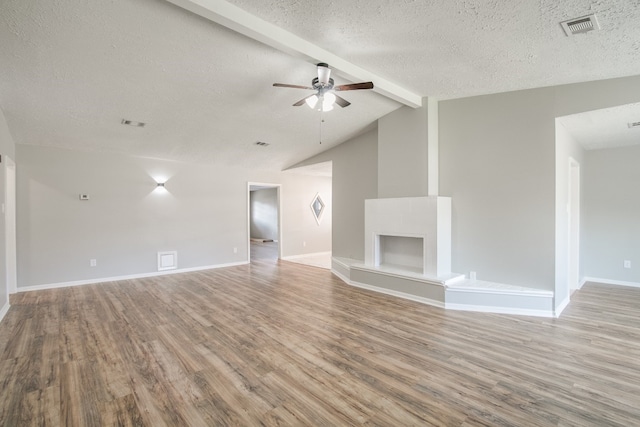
(264, 222)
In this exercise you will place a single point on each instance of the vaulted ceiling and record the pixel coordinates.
(71, 70)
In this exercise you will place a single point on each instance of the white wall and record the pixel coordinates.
(203, 214)
(611, 212)
(301, 233)
(7, 148)
(263, 221)
(355, 179)
(566, 148)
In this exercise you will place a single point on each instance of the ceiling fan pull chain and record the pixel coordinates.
(321, 122)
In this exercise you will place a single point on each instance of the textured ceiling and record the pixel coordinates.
(71, 70)
(606, 128)
(458, 48)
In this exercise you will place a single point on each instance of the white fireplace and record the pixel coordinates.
(411, 234)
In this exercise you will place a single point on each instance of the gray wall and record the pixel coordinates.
(127, 221)
(355, 179)
(403, 153)
(7, 148)
(264, 214)
(498, 163)
(611, 212)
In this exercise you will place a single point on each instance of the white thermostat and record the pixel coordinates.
(84, 197)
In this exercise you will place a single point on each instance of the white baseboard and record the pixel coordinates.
(128, 277)
(499, 310)
(515, 303)
(292, 257)
(610, 282)
(391, 292)
(558, 311)
(4, 310)
(340, 276)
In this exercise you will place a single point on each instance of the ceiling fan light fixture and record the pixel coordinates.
(324, 72)
(312, 101)
(328, 101)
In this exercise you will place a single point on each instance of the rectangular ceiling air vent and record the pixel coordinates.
(580, 25)
(262, 144)
(634, 124)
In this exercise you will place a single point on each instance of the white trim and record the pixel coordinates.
(539, 293)
(403, 295)
(292, 257)
(558, 311)
(346, 262)
(499, 310)
(582, 282)
(433, 165)
(128, 277)
(410, 275)
(4, 310)
(340, 276)
(610, 282)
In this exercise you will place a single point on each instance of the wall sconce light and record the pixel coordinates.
(160, 188)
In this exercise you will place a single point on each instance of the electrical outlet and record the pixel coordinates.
(304, 244)
(627, 263)
(235, 250)
(93, 262)
(472, 275)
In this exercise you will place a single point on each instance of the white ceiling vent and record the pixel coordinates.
(133, 123)
(634, 125)
(583, 24)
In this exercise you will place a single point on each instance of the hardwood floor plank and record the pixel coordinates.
(275, 343)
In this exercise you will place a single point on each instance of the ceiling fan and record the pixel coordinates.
(324, 98)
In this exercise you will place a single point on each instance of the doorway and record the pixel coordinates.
(574, 225)
(264, 222)
(10, 225)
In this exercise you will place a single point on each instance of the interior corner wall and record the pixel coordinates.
(127, 219)
(7, 148)
(497, 163)
(355, 179)
(610, 212)
(263, 220)
(566, 148)
(403, 162)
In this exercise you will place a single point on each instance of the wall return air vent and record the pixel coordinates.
(580, 25)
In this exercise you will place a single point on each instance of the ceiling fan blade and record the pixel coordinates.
(342, 102)
(292, 86)
(354, 86)
(303, 100)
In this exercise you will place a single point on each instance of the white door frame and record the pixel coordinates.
(573, 262)
(279, 203)
(9, 209)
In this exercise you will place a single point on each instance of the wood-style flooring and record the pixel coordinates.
(281, 344)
